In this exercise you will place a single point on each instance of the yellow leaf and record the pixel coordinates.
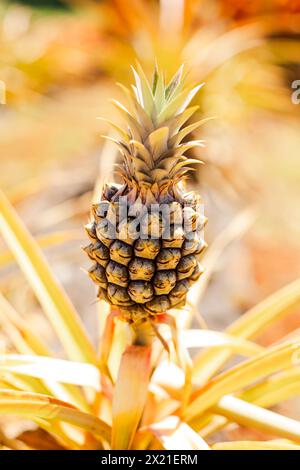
(267, 311)
(247, 326)
(34, 405)
(179, 103)
(122, 338)
(254, 416)
(19, 382)
(158, 141)
(208, 338)
(274, 389)
(177, 138)
(243, 374)
(26, 342)
(52, 297)
(49, 369)
(45, 241)
(266, 393)
(107, 341)
(130, 395)
(18, 332)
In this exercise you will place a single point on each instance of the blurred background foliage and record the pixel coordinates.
(60, 61)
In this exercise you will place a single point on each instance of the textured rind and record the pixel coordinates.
(144, 278)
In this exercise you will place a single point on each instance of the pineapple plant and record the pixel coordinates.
(147, 233)
(135, 396)
(121, 393)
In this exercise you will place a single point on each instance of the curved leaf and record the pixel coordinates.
(243, 374)
(254, 416)
(37, 406)
(130, 395)
(49, 369)
(52, 297)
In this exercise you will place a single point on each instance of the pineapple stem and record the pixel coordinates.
(143, 334)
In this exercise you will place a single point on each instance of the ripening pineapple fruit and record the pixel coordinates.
(146, 232)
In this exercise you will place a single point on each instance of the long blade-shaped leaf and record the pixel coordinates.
(26, 342)
(46, 241)
(22, 383)
(179, 103)
(130, 395)
(208, 338)
(243, 374)
(275, 389)
(52, 297)
(37, 406)
(18, 332)
(49, 369)
(266, 393)
(254, 416)
(171, 378)
(267, 311)
(248, 326)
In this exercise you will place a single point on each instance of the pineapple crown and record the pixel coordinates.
(152, 144)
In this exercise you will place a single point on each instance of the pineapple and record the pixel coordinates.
(146, 233)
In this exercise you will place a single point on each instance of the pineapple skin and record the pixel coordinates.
(145, 261)
(144, 277)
